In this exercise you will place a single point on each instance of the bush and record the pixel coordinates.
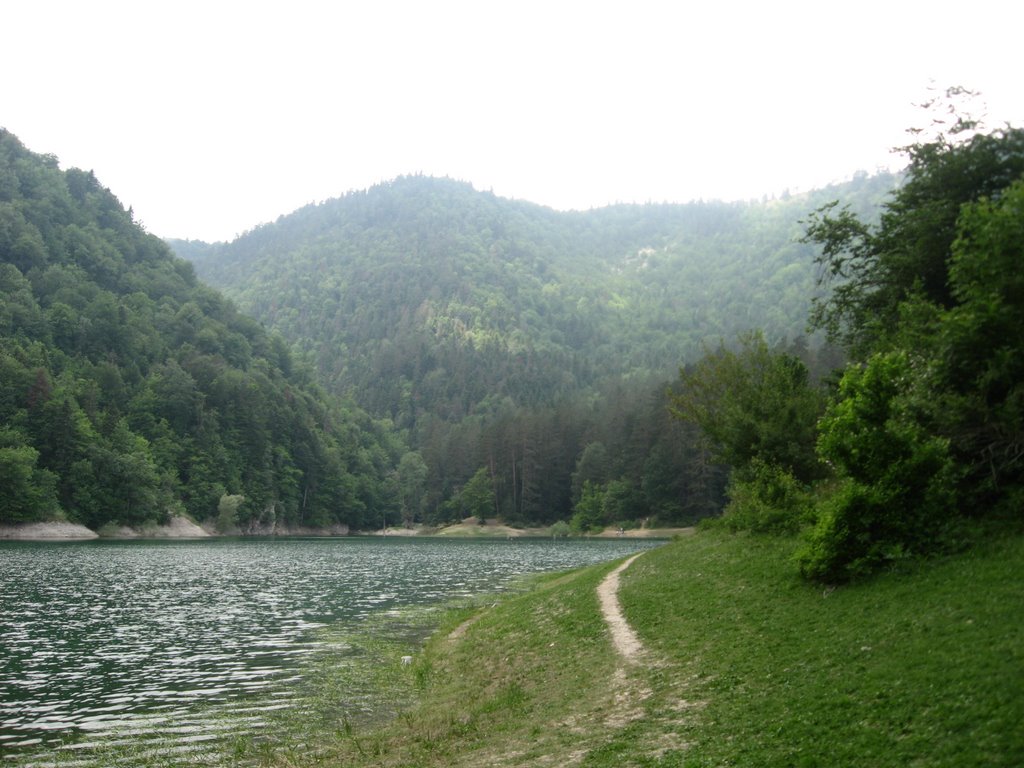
(560, 530)
(897, 493)
(845, 543)
(766, 498)
(227, 512)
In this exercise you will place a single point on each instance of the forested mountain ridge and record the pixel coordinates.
(130, 391)
(397, 286)
(525, 347)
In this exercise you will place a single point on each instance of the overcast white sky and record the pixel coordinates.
(212, 117)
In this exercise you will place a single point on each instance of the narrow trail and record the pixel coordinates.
(624, 638)
(628, 691)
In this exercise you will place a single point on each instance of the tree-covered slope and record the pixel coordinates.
(523, 344)
(129, 391)
(426, 293)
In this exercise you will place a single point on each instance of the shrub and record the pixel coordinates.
(897, 492)
(227, 512)
(845, 542)
(766, 498)
(560, 530)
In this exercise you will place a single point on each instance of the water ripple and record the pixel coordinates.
(112, 640)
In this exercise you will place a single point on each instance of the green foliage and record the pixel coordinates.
(765, 498)
(759, 411)
(27, 492)
(227, 512)
(931, 428)
(560, 530)
(753, 404)
(588, 514)
(592, 466)
(476, 498)
(134, 391)
(872, 269)
(623, 500)
(412, 473)
(898, 482)
(980, 366)
(600, 504)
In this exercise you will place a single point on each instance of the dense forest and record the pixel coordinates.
(525, 353)
(130, 392)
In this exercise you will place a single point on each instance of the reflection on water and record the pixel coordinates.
(115, 639)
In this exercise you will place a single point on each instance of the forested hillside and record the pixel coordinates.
(129, 391)
(526, 352)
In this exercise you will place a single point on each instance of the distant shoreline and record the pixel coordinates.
(183, 528)
(61, 530)
(493, 529)
(51, 531)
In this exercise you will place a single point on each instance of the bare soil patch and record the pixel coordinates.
(53, 531)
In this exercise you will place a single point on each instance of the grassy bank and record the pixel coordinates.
(922, 667)
(515, 682)
(746, 665)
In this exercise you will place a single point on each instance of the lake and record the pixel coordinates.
(112, 640)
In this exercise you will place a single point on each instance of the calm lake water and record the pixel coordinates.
(110, 640)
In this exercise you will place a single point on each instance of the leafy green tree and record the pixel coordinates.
(753, 404)
(979, 369)
(929, 428)
(588, 514)
(20, 314)
(476, 498)
(897, 492)
(412, 472)
(872, 269)
(623, 501)
(759, 412)
(175, 397)
(227, 512)
(27, 492)
(592, 466)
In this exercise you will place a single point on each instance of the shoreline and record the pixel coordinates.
(57, 530)
(183, 528)
(62, 530)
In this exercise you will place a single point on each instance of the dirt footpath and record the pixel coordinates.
(624, 638)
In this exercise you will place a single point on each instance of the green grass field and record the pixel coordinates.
(923, 667)
(746, 665)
